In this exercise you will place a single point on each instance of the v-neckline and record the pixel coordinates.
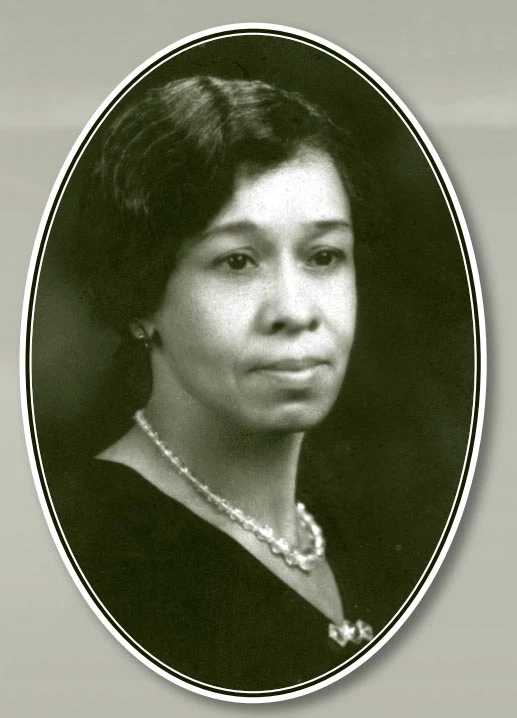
(235, 546)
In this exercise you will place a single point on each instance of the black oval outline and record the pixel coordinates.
(479, 356)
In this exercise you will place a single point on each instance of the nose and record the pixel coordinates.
(290, 304)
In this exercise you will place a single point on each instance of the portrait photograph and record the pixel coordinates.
(255, 363)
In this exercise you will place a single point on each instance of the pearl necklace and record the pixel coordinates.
(279, 546)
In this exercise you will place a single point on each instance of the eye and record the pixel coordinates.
(327, 257)
(237, 262)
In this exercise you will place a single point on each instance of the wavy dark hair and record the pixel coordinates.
(166, 164)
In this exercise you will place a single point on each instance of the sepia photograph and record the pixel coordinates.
(254, 363)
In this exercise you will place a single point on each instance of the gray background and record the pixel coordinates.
(454, 65)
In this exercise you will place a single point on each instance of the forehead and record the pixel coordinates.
(305, 189)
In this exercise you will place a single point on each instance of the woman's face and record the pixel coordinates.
(257, 319)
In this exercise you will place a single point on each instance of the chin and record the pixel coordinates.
(292, 419)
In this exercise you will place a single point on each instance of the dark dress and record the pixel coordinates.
(191, 596)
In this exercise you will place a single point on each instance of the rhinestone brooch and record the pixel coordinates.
(348, 631)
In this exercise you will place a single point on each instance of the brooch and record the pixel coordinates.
(348, 631)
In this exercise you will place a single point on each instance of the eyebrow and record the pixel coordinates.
(317, 227)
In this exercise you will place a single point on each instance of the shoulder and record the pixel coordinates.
(96, 484)
(132, 542)
(109, 512)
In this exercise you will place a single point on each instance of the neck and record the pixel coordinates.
(254, 471)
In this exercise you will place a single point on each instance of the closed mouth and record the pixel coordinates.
(292, 365)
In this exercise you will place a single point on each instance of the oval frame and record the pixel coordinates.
(480, 360)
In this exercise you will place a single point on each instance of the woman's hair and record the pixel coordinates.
(166, 165)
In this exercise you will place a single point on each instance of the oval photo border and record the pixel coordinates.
(480, 371)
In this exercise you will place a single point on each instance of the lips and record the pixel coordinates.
(292, 364)
(297, 372)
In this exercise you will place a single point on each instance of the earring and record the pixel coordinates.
(140, 334)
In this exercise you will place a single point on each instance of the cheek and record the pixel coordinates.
(342, 308)
(207, 328)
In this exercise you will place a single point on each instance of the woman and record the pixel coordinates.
(218, 233)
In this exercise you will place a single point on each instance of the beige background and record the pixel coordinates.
(454, 64)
